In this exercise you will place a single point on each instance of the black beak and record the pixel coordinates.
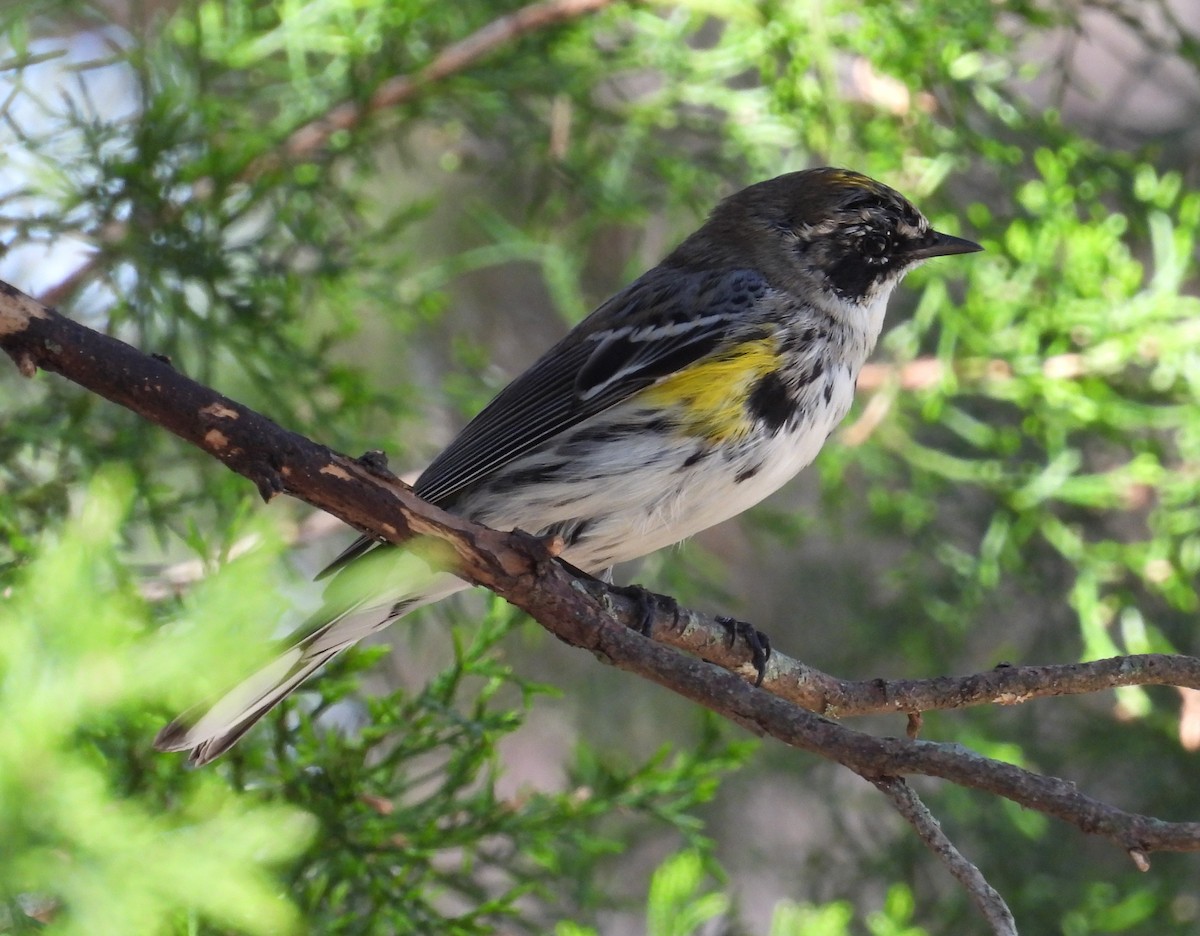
(935, 244)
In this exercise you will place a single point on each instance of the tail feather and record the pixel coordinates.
(208, 731)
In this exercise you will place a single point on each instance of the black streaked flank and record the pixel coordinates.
(800, 341)
(604, 432)
(747, 473)
(771, 402)
(701, 452)
(504, 481)
(587, 440)
(571, 531)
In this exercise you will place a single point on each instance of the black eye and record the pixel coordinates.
(874, 246)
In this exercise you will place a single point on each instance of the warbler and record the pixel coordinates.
(686, 398)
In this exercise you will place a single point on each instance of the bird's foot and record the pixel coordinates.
(376, 462)
(758, 642)
(648, 605)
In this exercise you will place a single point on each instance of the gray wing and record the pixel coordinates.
(660, 323)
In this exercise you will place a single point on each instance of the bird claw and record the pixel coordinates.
(758, 642)
(375, 462)
(648, 605)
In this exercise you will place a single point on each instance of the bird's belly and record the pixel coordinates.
(614, 502)
(649, 510)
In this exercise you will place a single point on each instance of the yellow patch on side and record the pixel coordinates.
(710, 395)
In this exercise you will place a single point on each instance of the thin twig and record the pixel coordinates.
(1005, 684)
(904, 798)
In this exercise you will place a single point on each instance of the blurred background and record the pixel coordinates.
(320, 211)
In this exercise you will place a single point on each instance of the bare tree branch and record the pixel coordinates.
(1004, 685)
(587, 613)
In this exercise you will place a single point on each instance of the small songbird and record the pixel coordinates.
(683, 400)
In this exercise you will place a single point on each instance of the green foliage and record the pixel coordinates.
(676, 905)
(79, 664)
(413, 834)
(399, 823)
(679, 904)
(1032, 496)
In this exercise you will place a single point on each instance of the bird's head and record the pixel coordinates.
(833, 235)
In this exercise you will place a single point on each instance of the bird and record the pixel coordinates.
(684, 399)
